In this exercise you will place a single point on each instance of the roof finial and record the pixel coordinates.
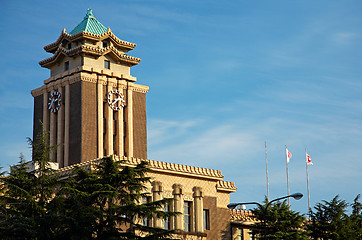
(89, 12)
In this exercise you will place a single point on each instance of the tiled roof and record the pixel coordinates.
(89, 24)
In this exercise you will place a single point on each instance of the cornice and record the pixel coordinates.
(138, 88)
(38, 91)
(224, 186)
(127, 46)
(242, 215)
(92, 75)
(101, 74)
(97, 51)
(155, 166)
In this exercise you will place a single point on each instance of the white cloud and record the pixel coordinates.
(344, 37)
(161, 131)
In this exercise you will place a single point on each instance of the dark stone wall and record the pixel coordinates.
(219, 220)
(38, 117)
(89, 121)
(75, 119)
(139, 125)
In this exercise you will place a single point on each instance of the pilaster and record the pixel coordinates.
(198, 208)
(109, 129)
(66, 124)
(60, 131)
(52, 134)
(157, 195)
(129, 122)
(178, 205)
(120, 126)
(100, 103)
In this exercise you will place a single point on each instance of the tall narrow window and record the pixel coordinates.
(167, 223)
(206, 219)
(66, 66)
(251, 235)
(146, 221)
(107, 64)
(187, 216)
(105, 44)
(240, 234)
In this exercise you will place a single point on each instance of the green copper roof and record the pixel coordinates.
(89, 24)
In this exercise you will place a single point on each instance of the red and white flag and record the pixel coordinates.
(289, 155)
(308, 159)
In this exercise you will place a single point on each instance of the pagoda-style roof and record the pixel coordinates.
(119, 56)
(91, 29)
(89, 24)
(126, 46)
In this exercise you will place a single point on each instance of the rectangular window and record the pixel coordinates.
(66, 66)
(167, 223)
(146, 221)
(69, 46)
(240, 234)
(107, 64)
(206, 219)
(187, 216)
(105, 44)
(251, 235)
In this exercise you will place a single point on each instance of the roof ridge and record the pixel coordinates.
(87, 18)
(89, 24)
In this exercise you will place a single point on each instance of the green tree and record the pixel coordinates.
(330, 221)
(109, 201)
(104, 202)
(278, 222)
(27, 194)
(356, 218)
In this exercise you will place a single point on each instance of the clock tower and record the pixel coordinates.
(91, 105)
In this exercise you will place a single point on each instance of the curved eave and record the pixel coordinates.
(127, 46)
(224, 186)
(119, 57)
(50, 61)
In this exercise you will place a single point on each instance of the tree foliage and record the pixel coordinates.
(100, 203)
(280, 222)
(330, 220)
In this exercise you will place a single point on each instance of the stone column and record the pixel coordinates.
(52, 135)
(178, 206)
(60, 129)
(109, 119)
(100, 99)
(157, 192)
(198, 209)
(66, 124)
(120, 129)
(130, 122)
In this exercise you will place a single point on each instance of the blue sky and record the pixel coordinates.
(224, 77)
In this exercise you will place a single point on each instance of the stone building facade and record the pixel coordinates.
(92, 107)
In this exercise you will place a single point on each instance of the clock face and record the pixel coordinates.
(116, 100)
(55, 101)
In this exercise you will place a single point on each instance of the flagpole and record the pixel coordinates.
(266, 169)
(306, 167)
(286, 156)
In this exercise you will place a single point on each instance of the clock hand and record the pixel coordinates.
(116, 100)
(51, 103)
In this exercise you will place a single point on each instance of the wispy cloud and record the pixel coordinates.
(344, 37)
